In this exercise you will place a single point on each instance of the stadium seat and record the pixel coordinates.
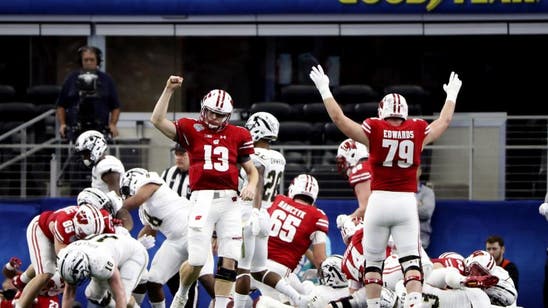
(332, 135)
(7, 93)
(295, 131)
(414, 94)
(315, 112)
(366, 110)
(300, 94)
(355, 93)
(282, 111)
(43, 94)
(332, 184)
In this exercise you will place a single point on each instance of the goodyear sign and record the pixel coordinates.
(238, 7)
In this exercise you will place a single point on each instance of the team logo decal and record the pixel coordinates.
(198, 127)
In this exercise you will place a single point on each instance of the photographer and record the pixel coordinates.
(88, 98)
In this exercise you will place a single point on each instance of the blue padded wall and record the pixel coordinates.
(460, 226)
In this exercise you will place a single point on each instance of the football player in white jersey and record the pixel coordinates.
(106, 170)
(160, 209)
(113, 262)
(270, 164)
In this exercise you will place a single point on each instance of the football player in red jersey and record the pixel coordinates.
(395, 144)
(352, 163)
(15, 282)
(295, 225)
(51, 231)
(216, 150)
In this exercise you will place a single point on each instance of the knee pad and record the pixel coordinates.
(410, 263)
(373, 267)
(225, 274)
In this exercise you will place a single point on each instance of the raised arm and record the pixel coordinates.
(346, 125)
(158, 117)
(446, 115)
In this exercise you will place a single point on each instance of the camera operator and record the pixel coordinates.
(88, 98)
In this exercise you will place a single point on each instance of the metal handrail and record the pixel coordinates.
(28, 153)
(27, 124)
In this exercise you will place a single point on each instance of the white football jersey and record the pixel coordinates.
(504, 293)
(165, 210)
(107, 164)
(106, 251)
(274, 166)
(450, 298)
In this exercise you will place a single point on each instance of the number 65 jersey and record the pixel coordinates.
(294, 227)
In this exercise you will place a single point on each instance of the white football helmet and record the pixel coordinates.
(348, 226)
(88, 220)
(331, 273)
(132, 180)
(393, 106)
(349, 154)
(304, 184)
(480, 263)
(96, 198)
(451, 254)
(93, 142)
(217, 101)
(73, 265)
(263, 125)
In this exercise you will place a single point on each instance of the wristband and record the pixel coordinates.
(9, 267)
(325, 93)
(452, 97)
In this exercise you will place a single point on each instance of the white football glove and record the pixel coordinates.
(452, 87)
(147, 240)
(321, 81)
(254, 222)
(543, 210)
(341, 219)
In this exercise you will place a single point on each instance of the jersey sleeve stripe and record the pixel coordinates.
(360, 178)
(366, 128)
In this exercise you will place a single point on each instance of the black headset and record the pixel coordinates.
(98, 53)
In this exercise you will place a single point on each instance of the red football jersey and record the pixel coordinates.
(359, 173)
(451, 262)
(213, 155)
(41, 301)
(59, 224)
(395, 153)
(353, 259)
(292, 223)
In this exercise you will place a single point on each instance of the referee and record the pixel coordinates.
(177, 176)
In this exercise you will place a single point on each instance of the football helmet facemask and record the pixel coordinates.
(263, 125)
(73, 266)
(349, 154)
(331, 273)
(220, 103)
(93, 143)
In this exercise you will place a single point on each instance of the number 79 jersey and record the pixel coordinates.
(293, 227)
(395, 153)
(213, 155)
